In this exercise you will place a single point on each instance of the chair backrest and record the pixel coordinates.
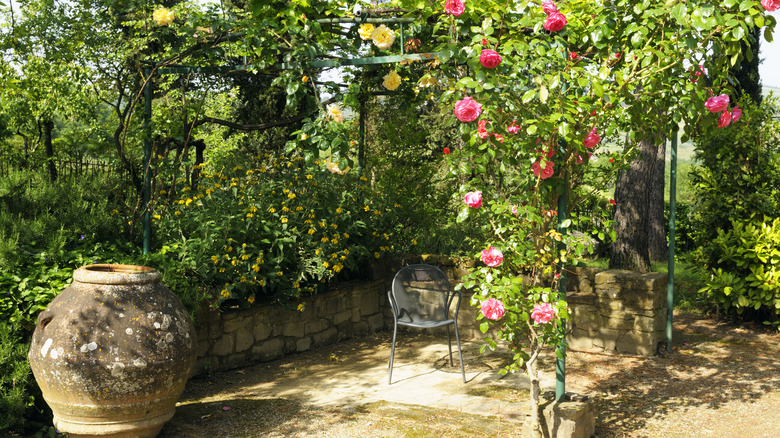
(422, 293)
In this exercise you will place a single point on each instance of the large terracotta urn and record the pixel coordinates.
(112, 353)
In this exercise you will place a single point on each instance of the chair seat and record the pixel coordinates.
(426, 323)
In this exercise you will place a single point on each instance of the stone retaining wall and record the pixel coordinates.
(237, 338)
(617, 311)
(611, 311)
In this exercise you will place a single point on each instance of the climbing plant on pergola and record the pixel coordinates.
(552, 82)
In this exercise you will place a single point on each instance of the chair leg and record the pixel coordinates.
(449, 344)
(460, 353)
(392, 354)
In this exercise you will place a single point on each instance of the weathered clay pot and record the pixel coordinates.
(113, 352)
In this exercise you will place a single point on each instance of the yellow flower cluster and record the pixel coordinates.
(163, 16)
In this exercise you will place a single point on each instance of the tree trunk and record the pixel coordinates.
(535, 392)
(656, 230)
(746, 72)
(633, 197)
(48, 127)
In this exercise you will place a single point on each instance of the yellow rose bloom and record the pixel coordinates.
(163, 16)
(335, 113)
(365, 31)
(383, 37)
(391, 80)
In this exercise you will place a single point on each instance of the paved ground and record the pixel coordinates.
(353, 374)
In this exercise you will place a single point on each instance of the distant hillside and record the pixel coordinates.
(766, 90)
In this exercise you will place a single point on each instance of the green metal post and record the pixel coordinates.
(147, 160)
(672, 214)
(362, 139)
(560, 349)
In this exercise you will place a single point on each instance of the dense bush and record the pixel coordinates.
(747, 272)
(739, 174)
(737, 197)
(38, 215)
(278, 230)
(683, 226)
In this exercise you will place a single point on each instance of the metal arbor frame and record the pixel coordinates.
(149, 72)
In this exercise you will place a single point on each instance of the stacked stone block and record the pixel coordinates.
(616, 311)
(238, 338)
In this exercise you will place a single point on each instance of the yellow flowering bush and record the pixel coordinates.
(280, 230)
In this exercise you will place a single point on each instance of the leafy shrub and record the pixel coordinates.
(15, 381)
(278, 230)
(739, 175)
(37, 215)
(683, 226)
(747, 273)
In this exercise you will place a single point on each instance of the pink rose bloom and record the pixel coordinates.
(546, 172)
(513, 128)
(592, 139)
(492, 309)
(555, 22)
(724, 119)
(736, 114)
(579, 159)
(467, 110)
(770, 5)
(481, 129)
(454, 7)
(474, 199)
(489, 58)
(514, 209)
(492, 256)
(543, 313)
(549, 7)
(716, 104)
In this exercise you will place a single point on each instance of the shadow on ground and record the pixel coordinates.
(719, 381)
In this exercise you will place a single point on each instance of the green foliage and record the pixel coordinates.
(739, 174)
(34, 212)
(684, 226)
(737, 190)
(278, 230)
(747, 272)
(15, 381)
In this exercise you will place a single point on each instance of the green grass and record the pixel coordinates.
(686, 283)
(686, 286)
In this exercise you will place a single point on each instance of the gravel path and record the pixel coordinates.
(720, 381)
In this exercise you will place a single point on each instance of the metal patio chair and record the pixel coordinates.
(421, 297)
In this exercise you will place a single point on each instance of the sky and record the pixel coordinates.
(769, 69)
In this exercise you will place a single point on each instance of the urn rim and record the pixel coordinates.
(101, 273)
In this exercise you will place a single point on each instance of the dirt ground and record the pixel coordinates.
(720, 380)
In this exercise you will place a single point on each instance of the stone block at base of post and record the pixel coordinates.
(574, 417)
